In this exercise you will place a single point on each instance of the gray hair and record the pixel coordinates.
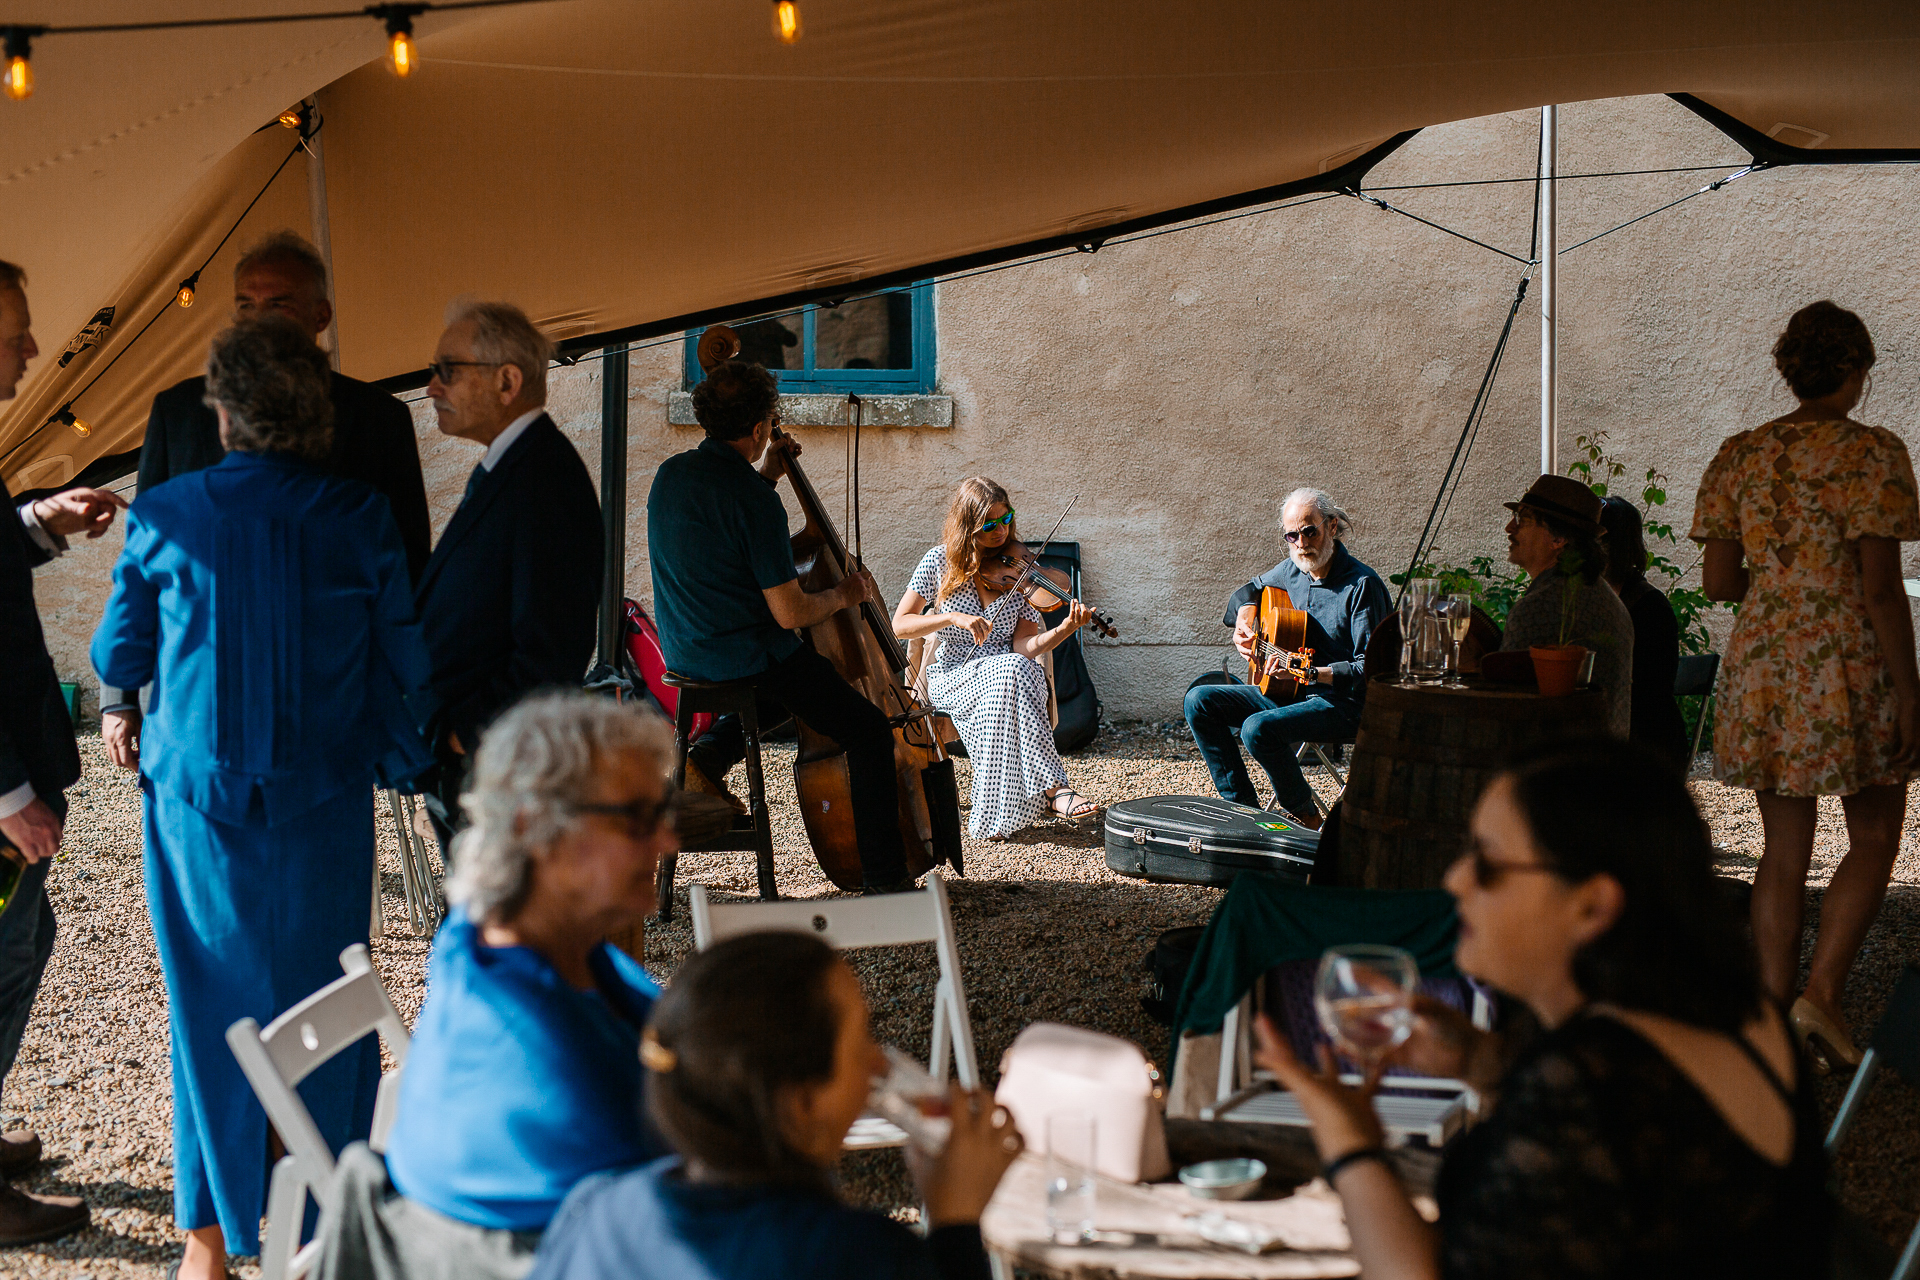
(12, 276)
(502, 334)
(276, 387)
(285, 249)
(534, 765)
(1337, 519)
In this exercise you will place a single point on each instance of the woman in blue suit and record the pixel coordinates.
(268, 604)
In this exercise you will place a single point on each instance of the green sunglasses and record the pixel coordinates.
(1006, 520)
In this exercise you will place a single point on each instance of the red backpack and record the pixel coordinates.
(643, 648)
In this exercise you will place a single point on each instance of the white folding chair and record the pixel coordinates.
(886, 920)
(277, 1058)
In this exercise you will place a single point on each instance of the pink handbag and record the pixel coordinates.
(1053, 1068)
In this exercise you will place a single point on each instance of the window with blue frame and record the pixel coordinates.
(880, 345)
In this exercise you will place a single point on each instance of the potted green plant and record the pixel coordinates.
(1556, 667)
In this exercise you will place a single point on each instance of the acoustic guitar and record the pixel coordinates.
(1280, 638)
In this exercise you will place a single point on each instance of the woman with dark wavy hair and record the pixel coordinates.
(1802, 520)
(1660, 1125)
(759, 1058)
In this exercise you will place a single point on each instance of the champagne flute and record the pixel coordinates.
(1459, 621)
(1363, 995)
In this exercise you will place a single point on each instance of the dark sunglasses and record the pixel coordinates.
(1305, 533)
(643, 817)
(1488, 874)
(443, 369)
(1006, 520)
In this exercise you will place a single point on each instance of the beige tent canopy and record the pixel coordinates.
(623, 168)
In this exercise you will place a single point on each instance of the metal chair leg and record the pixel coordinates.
(663, 882)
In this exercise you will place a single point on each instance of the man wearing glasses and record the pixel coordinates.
(373, 438)
(509, 600)
(1344, 601)
(728, 601)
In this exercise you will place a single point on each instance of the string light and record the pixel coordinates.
(403, 56)
(786, 21)
(81, 427)
(291, 118)
(185, 296)
(18, 74)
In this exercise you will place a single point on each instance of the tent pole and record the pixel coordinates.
(1549, 292)
(322, 231)
(613, 502)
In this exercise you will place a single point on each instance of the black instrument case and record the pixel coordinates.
(1204, 840)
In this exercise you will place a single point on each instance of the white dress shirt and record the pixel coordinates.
(504, 441)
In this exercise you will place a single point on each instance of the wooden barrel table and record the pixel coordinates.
(1420, 761)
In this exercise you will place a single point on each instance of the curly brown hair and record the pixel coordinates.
(1824, 345)
(976, 496)
(276, 387)
(734, 398)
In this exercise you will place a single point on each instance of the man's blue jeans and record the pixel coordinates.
(1227, 717)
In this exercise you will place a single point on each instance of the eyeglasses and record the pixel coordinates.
(1006, 520)
(1305, 533)
(443, 369)
(1488, 874)
(643, 817)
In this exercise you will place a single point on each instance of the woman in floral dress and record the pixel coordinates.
(984, 671)
(1802, 521)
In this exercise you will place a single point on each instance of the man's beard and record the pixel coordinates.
(1314, 559)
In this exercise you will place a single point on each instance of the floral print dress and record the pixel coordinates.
(1805, 697)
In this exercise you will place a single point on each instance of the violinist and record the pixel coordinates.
(727, 599)
(1344, 601)
(984, 671)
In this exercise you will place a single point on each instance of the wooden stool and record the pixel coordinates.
(751, 831)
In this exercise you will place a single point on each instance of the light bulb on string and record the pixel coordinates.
(17, 76)
(786, 21)
(80, 426)
(289, 119)
(402, 55)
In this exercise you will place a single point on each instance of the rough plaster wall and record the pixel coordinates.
(1182, 384)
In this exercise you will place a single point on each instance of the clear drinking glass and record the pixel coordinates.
(1071, 1146)
(1413, 604)
(1430, 653)
(1364, 996)
(1459, 619)
(914, 1101)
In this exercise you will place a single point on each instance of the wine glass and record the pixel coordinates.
(1364, 997)
(1459, 620)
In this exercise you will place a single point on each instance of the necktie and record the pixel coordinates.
(473, 481)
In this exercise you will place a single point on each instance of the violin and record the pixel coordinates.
(1015, 569)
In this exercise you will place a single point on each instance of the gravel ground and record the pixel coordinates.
(1046, 932)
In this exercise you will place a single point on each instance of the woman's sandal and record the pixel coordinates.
(1076, 805)
(1831, 1049)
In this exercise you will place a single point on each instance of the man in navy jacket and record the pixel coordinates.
(508, 600)
(38, 762)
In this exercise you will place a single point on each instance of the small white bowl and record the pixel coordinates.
(1224, 1179)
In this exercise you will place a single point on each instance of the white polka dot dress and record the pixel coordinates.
(997, 699)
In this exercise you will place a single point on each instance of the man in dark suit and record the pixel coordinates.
(372, 432)
(38, 762)
(509, 598)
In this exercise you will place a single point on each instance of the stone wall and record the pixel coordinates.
(1179, 385)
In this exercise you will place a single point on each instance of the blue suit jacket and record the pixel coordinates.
(268, 604)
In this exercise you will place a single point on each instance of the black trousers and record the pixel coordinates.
(26, 942)
(807, 687)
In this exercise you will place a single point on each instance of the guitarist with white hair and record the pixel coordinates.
(1344, 601)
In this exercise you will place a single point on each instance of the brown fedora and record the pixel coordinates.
(1565, 499)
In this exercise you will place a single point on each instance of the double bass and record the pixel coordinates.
(862, 647)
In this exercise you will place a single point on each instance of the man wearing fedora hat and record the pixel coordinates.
(1557, 515)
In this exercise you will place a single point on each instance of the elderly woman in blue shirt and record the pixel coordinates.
(523, 1075)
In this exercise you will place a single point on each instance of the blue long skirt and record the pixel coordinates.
(250, 920)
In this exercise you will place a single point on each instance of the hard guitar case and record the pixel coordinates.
(1205, 840)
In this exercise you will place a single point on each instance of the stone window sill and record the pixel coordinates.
(818, 410)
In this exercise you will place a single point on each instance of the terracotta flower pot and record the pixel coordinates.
(1556, 667)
